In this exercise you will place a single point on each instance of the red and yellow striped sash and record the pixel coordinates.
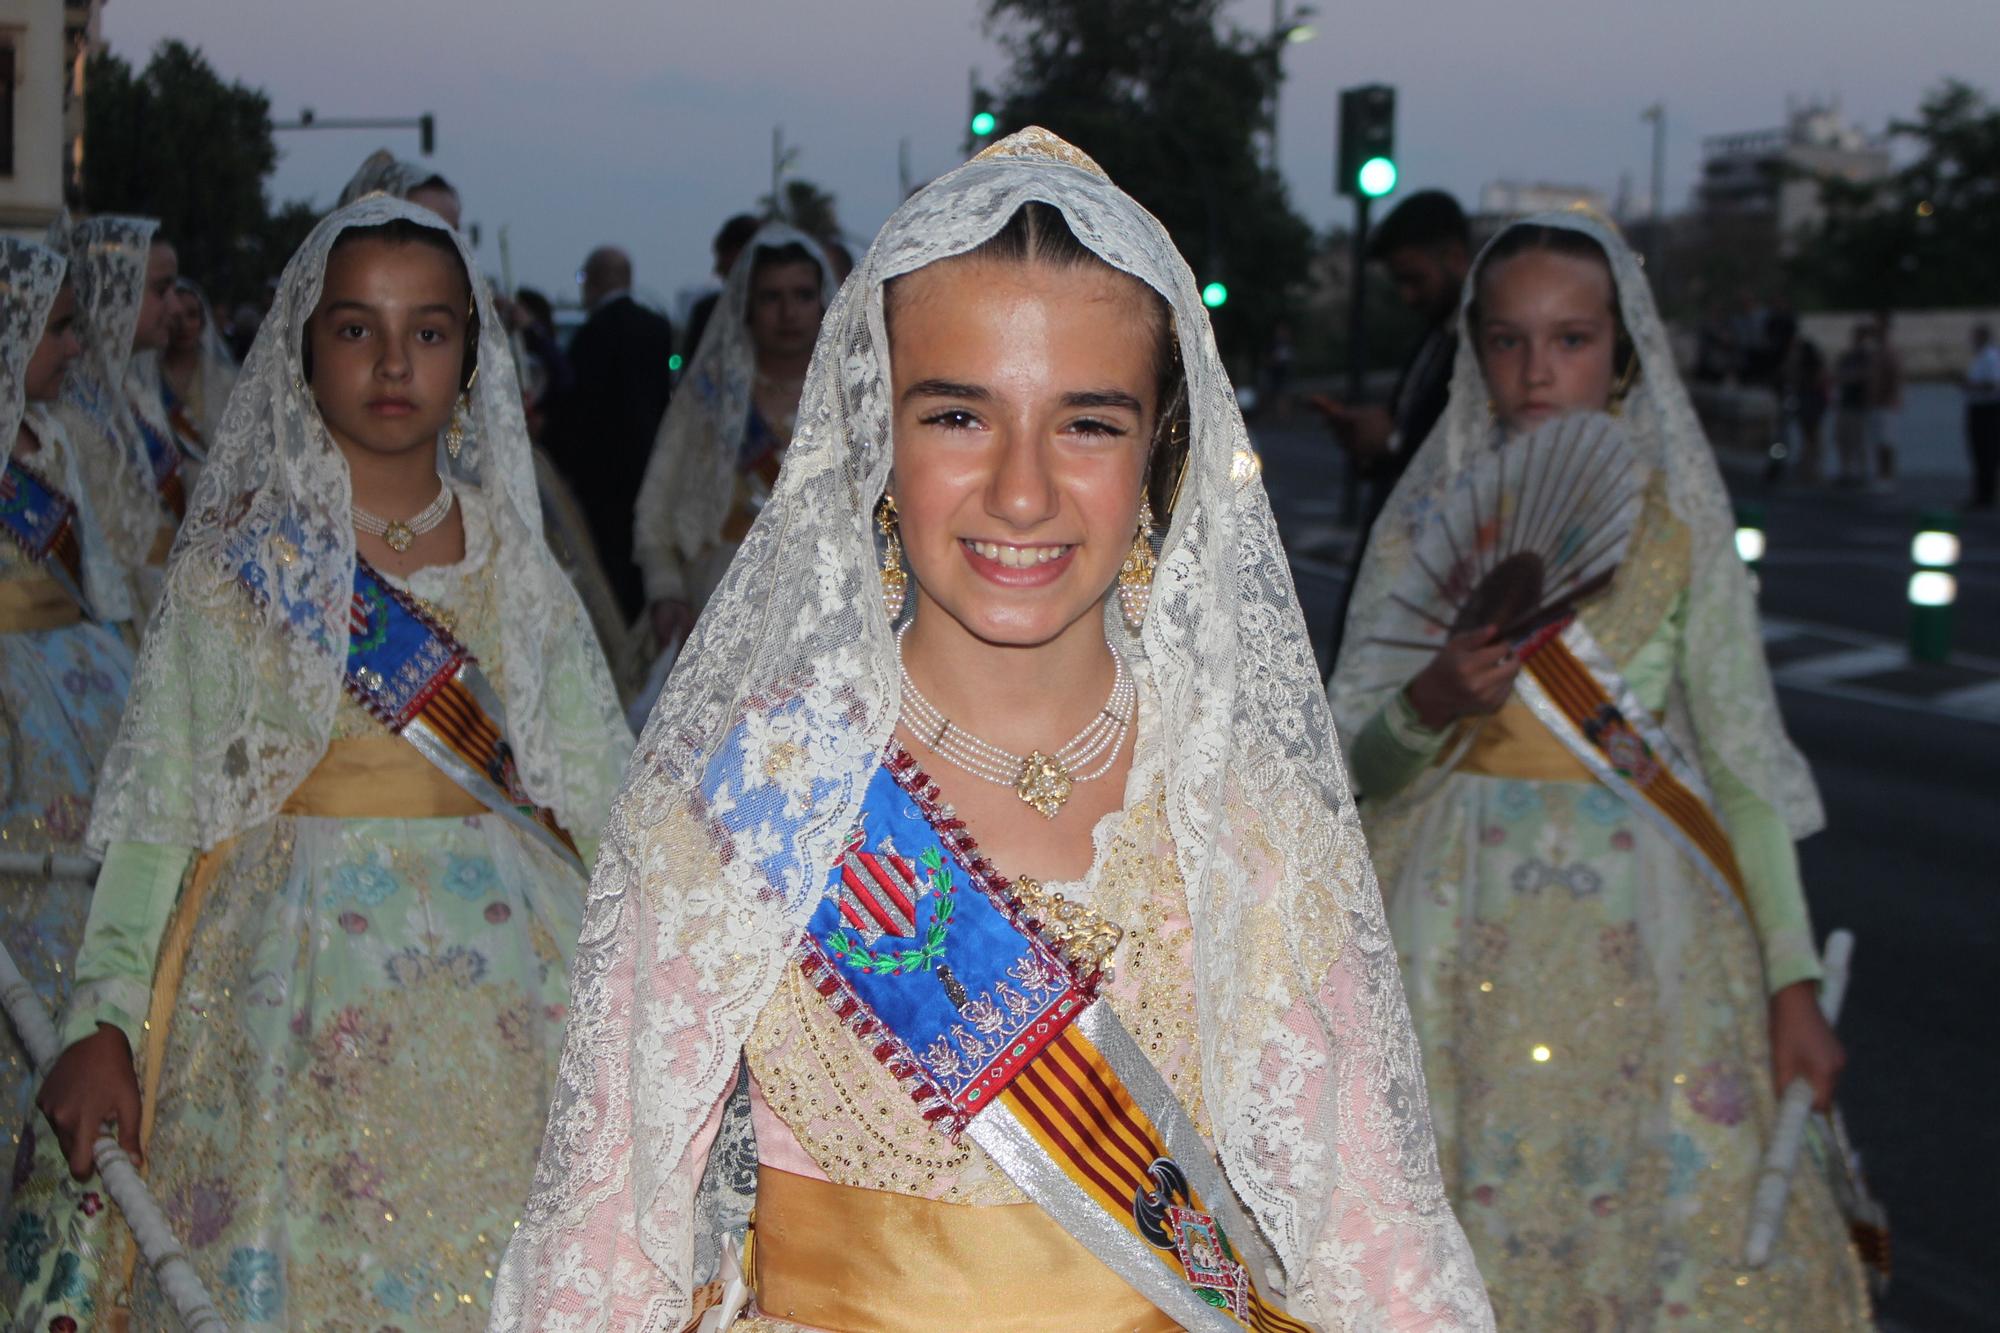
(1074, 1105)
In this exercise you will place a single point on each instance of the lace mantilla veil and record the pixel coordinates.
(1725, 686)
(692, 473)
(31, 275)
(108, 265)
(233, 700)
(1309, 1066)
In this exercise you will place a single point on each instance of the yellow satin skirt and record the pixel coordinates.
(851, 1260)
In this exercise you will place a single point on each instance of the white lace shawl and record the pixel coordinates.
(385, 173)
(233, 700)
(691, 475)
(1725, 685)
(1309, 1067)
(31, 275)
(215, 368)
(108, 264)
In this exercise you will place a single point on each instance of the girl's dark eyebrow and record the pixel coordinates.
(1103, 398)
(947, 389)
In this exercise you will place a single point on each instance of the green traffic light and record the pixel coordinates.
(984, 123)
(1377, 177)
(1214, 295)
(675, 362)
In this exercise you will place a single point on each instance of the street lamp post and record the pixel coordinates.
(1657, 114)
(1286, 30)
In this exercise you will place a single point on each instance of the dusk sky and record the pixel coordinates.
(646, 122)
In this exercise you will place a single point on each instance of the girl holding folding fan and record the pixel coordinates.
(1584, 828)
(345, 825)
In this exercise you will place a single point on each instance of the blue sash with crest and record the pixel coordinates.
(41, 520)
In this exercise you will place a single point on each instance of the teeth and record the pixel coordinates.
(1019, 557)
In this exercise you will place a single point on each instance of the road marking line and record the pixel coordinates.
(1836, 666)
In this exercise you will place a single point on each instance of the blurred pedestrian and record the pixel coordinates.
(601, 432)
(1854, 381)
(382, 172)
(1982, 416)
(1426, 244)
(196, 369)
(1806, 391)
(1885, 404)
(727, 245)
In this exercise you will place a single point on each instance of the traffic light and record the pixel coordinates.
(1367, 166)
(981, 124)
(427, 127)
(1214, 295)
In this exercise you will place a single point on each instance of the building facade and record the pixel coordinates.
(44, 48)
(1772, 177)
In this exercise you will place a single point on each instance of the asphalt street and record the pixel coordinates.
(1908, 762)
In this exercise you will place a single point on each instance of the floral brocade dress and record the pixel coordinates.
(357, 1062)
(1593, 1014)
(62, 689)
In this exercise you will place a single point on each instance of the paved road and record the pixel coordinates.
(1908, 761)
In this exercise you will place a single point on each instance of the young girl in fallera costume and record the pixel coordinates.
(1136, 1059)
(1608, 958)
(63, 673)
(345, 826)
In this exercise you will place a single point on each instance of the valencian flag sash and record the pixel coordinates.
(425, 686)
(41, 520)
(953, 980)
(1571, 686)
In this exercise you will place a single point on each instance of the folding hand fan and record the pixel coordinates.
(1525, 533)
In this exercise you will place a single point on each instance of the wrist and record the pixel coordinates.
(1433, 713)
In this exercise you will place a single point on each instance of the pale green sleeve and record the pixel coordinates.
(136, 891)
(1769, 860)
(1764, 849)
(1393, 749)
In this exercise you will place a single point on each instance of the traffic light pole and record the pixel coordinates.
(1357, 336)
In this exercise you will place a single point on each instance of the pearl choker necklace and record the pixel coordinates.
(1044, 781)
(398, 534)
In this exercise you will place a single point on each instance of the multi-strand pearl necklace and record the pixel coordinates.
(398, 534)
(1044, 781)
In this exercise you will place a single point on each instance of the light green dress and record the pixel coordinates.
(360, 1055)
(1593, 1014)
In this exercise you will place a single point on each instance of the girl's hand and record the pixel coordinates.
(92, 1083)
(1472, 675)
(1802, 1045)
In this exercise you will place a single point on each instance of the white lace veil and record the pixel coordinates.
(31, 275)
(382, 172)
(234, 697)
(1726, 686)
(692, 472)
(1317, 1106)
(108, 264)
(216, 371)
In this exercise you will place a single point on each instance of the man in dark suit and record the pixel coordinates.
(601, 429)
(1426, 245)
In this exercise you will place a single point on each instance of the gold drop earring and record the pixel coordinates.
(895, 583)
(454, 435)
(1135, 577)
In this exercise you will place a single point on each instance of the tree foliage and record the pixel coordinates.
(1171, 106)
(803, 205)
(177, 142)
(1927, 234)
